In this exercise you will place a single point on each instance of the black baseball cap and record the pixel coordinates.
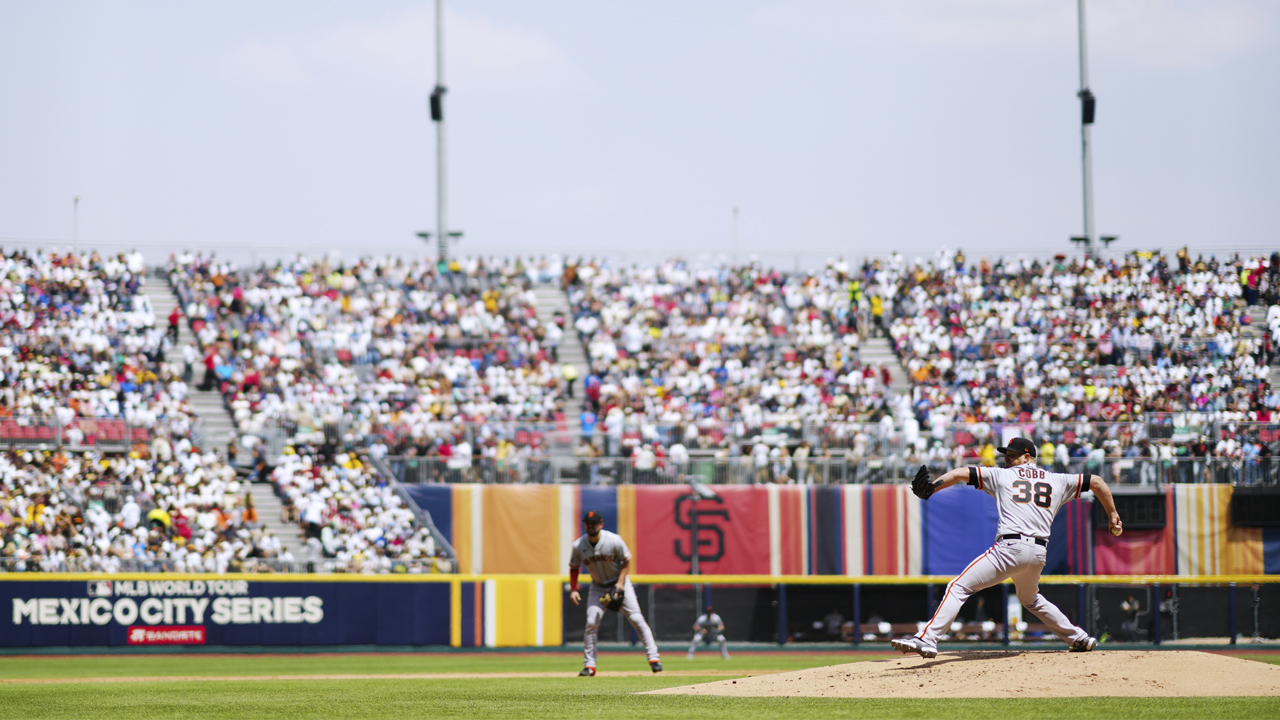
(592, 516)
(1017, 446)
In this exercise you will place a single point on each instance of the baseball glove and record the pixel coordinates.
(612, 600)
(923, 485)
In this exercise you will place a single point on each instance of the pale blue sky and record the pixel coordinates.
(838, 127)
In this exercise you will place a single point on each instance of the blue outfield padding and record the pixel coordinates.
(437, 500)
(603, 500)
(1271, 551)
(959, 525)
(222, 612)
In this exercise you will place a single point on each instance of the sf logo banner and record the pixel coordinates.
(710, 533)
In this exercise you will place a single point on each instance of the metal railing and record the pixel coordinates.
(819, 470)
(422, 516)
(81, 433)
(38, 564)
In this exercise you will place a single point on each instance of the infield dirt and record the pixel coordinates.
(1014, 674)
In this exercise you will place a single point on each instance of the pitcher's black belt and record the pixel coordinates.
(1015, 536)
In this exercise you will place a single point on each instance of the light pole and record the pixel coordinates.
(437, 116)
(1088, 103)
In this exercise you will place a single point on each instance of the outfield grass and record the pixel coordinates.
(82, 666)
(600, 697)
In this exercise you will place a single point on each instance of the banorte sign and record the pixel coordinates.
(167, 611)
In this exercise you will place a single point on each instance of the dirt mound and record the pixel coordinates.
(1006, 674)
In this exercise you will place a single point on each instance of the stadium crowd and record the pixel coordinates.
(1141, 359)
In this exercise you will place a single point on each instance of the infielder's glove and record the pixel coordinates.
(923, 485)
(612, 600)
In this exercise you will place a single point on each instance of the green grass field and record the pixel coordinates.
(599, 697)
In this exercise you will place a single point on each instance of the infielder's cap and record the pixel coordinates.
(1017, 446)
(592, 516)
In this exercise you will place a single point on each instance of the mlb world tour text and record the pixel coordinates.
(166, 602)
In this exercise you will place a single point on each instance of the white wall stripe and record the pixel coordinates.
(775, 531)
(490, 613)
(915, 535)
(853, 546)
(904, 537)
(568, 524)
(539, 613)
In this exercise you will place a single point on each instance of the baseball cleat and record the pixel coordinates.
(655, 666)
(587, 672)
(914, 645)
(690, 656)
(1084, 645)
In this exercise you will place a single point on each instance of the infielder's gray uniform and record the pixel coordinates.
(604, 561)
(1027, 498)
(706, 625)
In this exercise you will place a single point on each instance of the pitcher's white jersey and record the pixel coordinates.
(604, 560)
(1027, 497)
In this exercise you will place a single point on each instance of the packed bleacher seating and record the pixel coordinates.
(96, 427)
(384, 342)
(681, 345)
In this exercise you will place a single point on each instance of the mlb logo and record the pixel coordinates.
(99, 588)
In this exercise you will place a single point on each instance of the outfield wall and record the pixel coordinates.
(848, 530)
(86, 610)
(142, 609)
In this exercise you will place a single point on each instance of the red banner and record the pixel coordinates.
(733, 530)
(166, 634)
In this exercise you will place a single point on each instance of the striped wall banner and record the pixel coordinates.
(788, 528)
(569, 523)
(826, 529)
(521, 529)
(1137, 552)
(625, 499)
(467, 524)
(893, 531)
(1069, 549)
(1207, 542)
(855, 537)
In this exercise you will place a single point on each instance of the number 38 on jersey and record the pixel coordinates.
(1031, 488)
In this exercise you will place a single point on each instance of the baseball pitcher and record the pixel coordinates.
(704, 627)
(608, 561)
(1027, 498)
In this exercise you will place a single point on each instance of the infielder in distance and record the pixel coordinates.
(707, 623)
(1027, 499)
(608, 561)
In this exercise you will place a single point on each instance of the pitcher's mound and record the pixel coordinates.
(1006, 674)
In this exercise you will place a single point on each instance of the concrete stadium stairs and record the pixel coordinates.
(1258, 327)
(269, 517)
(216, 427)
(550, 299)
